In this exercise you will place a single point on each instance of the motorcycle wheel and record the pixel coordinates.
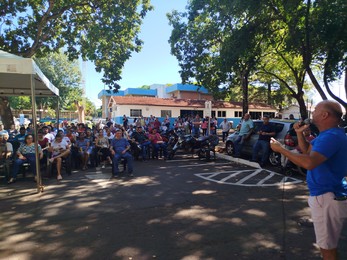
(171, 155)
(208, 155)
(229, 147)
(275, 158)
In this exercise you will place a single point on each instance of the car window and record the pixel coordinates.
(278, 127)
(257, 126)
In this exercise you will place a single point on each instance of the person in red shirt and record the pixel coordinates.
(157, 143)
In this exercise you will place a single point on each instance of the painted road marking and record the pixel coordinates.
(258, 177)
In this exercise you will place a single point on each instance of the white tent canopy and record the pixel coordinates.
(16, 77)
(22, 77)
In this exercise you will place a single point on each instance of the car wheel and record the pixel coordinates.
(229, 147)
(275, 158)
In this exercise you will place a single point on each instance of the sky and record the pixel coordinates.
(153, 64)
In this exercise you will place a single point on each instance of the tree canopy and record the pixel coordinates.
(226, 44)
(102, 31)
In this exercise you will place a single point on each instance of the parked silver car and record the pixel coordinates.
(281, 128)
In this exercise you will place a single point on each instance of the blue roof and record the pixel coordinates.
(186, 87)
(140, 92)
(104, 92)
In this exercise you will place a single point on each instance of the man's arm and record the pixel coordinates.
(308, 161)
(304, 145)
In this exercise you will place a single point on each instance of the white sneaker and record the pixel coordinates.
(59, 177)
(103, 167)
(51, 160)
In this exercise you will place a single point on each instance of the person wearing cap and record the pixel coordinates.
(120, 148)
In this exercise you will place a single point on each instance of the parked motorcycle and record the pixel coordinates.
(202, 146)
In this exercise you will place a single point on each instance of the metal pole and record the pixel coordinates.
(209, 126)
(37, 159)
(58, 112)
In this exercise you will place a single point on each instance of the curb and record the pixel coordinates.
(238, 160)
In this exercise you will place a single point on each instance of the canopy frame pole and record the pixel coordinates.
(37, 158)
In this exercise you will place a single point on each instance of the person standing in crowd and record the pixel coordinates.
(25, 153)
(125, 122)
(196, 126)
(204, 126)
(266, 131)
(120, 148)
(109, 122)
(246, 128)
(325, 160)
(225, 126)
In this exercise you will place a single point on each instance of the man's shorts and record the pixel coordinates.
(328, 216)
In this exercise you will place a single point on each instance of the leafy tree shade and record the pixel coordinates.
(103, 31)
(65, 75)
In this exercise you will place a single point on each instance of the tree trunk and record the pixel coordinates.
(315, 83)
(244, 80)
(302, 105)
(6, 113)
(269, 100)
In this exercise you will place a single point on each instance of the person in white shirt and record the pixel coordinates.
(48, 134)
(226, 126)
(60, 149)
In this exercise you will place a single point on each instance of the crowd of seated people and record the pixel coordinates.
(90, 146)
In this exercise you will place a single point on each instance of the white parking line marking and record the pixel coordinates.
(256, 172)
(266, 178)
(278, 179)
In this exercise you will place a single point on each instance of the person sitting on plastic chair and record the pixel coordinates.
(60, 149)
(26, 154)
(120, 148)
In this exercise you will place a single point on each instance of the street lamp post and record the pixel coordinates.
(208, 108)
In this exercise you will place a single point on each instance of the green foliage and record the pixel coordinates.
(145, 87)
(21, 102)
(103, 31)
(65, 75)
(225, 44)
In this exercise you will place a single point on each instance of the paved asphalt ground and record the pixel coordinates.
(181, 209)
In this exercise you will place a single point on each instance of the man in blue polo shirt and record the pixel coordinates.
(325, 160)
(120, 148)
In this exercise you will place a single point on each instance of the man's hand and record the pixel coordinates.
(299, 128)
(276, 146)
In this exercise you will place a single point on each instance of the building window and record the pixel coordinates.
(255, 115)
(135, 112)
(164, 113)
(222, 113)
(237, 113)
(213, 114)
(269, 114)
